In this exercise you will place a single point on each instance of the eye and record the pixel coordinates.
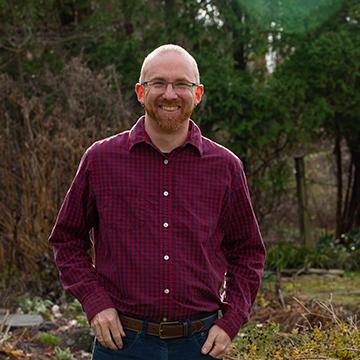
(158, 84)
(182, 85)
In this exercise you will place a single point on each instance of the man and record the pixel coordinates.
(170, 219)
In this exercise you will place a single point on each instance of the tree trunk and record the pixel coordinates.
(351, 213)
(302, 202)
(339, 183)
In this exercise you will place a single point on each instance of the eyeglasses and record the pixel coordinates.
(160, 86)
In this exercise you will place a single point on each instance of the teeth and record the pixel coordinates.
(169, 108)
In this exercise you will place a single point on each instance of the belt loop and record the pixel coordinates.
(189, 326)
(144, 327)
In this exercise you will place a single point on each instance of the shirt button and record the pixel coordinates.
(166, 291)
(165, 225)
(166, 161)
(166, 193)
(164, 319)
(166, 257)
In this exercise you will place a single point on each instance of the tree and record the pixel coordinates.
(323, 77)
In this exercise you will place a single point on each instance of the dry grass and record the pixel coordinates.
(45, 126)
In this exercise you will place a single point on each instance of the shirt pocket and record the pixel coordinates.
(125, 209)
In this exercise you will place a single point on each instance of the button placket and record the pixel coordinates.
(165, 193)
(166, 227)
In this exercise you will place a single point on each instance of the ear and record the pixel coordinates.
(139, 89)
(199, 93)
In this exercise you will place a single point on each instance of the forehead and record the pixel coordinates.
(170, 65)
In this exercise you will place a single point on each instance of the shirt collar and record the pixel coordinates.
(138, 134)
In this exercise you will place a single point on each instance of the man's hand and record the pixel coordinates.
(217, 342)
(108, 329)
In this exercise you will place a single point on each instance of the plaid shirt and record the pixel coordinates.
(167, 229)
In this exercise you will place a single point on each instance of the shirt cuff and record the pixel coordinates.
(231, 323)
(96, 302)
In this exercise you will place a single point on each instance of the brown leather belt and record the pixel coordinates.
(166, 330)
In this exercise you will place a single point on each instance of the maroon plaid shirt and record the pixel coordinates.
(167, 231)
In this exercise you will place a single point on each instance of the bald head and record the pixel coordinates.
(165, 49)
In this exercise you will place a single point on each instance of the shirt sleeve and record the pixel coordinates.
(71, 243)
(245, 254)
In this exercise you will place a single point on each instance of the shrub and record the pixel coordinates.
(285, 255)
(330, 252)
(45, 125)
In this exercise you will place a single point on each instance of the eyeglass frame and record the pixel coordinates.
(166, 84)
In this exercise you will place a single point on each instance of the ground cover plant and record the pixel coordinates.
(316, 317)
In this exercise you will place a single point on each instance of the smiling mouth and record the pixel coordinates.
(169, 108)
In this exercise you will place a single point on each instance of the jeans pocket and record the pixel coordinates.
(129, 341)
(199, 340)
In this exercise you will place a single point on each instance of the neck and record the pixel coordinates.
(166, 141)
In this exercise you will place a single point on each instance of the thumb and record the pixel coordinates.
(209, 343)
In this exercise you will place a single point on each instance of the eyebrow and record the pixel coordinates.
(162, 78)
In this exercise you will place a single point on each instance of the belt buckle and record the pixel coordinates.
(172, 323)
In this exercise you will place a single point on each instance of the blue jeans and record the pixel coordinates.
(140, 346)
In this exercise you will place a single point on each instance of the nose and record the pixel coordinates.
(169, 92)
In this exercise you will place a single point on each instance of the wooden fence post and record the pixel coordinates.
(302, 202)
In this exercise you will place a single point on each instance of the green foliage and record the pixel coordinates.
(63, 354)
(285, 256)
(344, 252)
(75, 307)
(316, 87)
(293, 16)
(28, 40)
(266, 341)
(257, 337)
(74, 310)
(329, 253)
(35, 305)
(48, 339)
